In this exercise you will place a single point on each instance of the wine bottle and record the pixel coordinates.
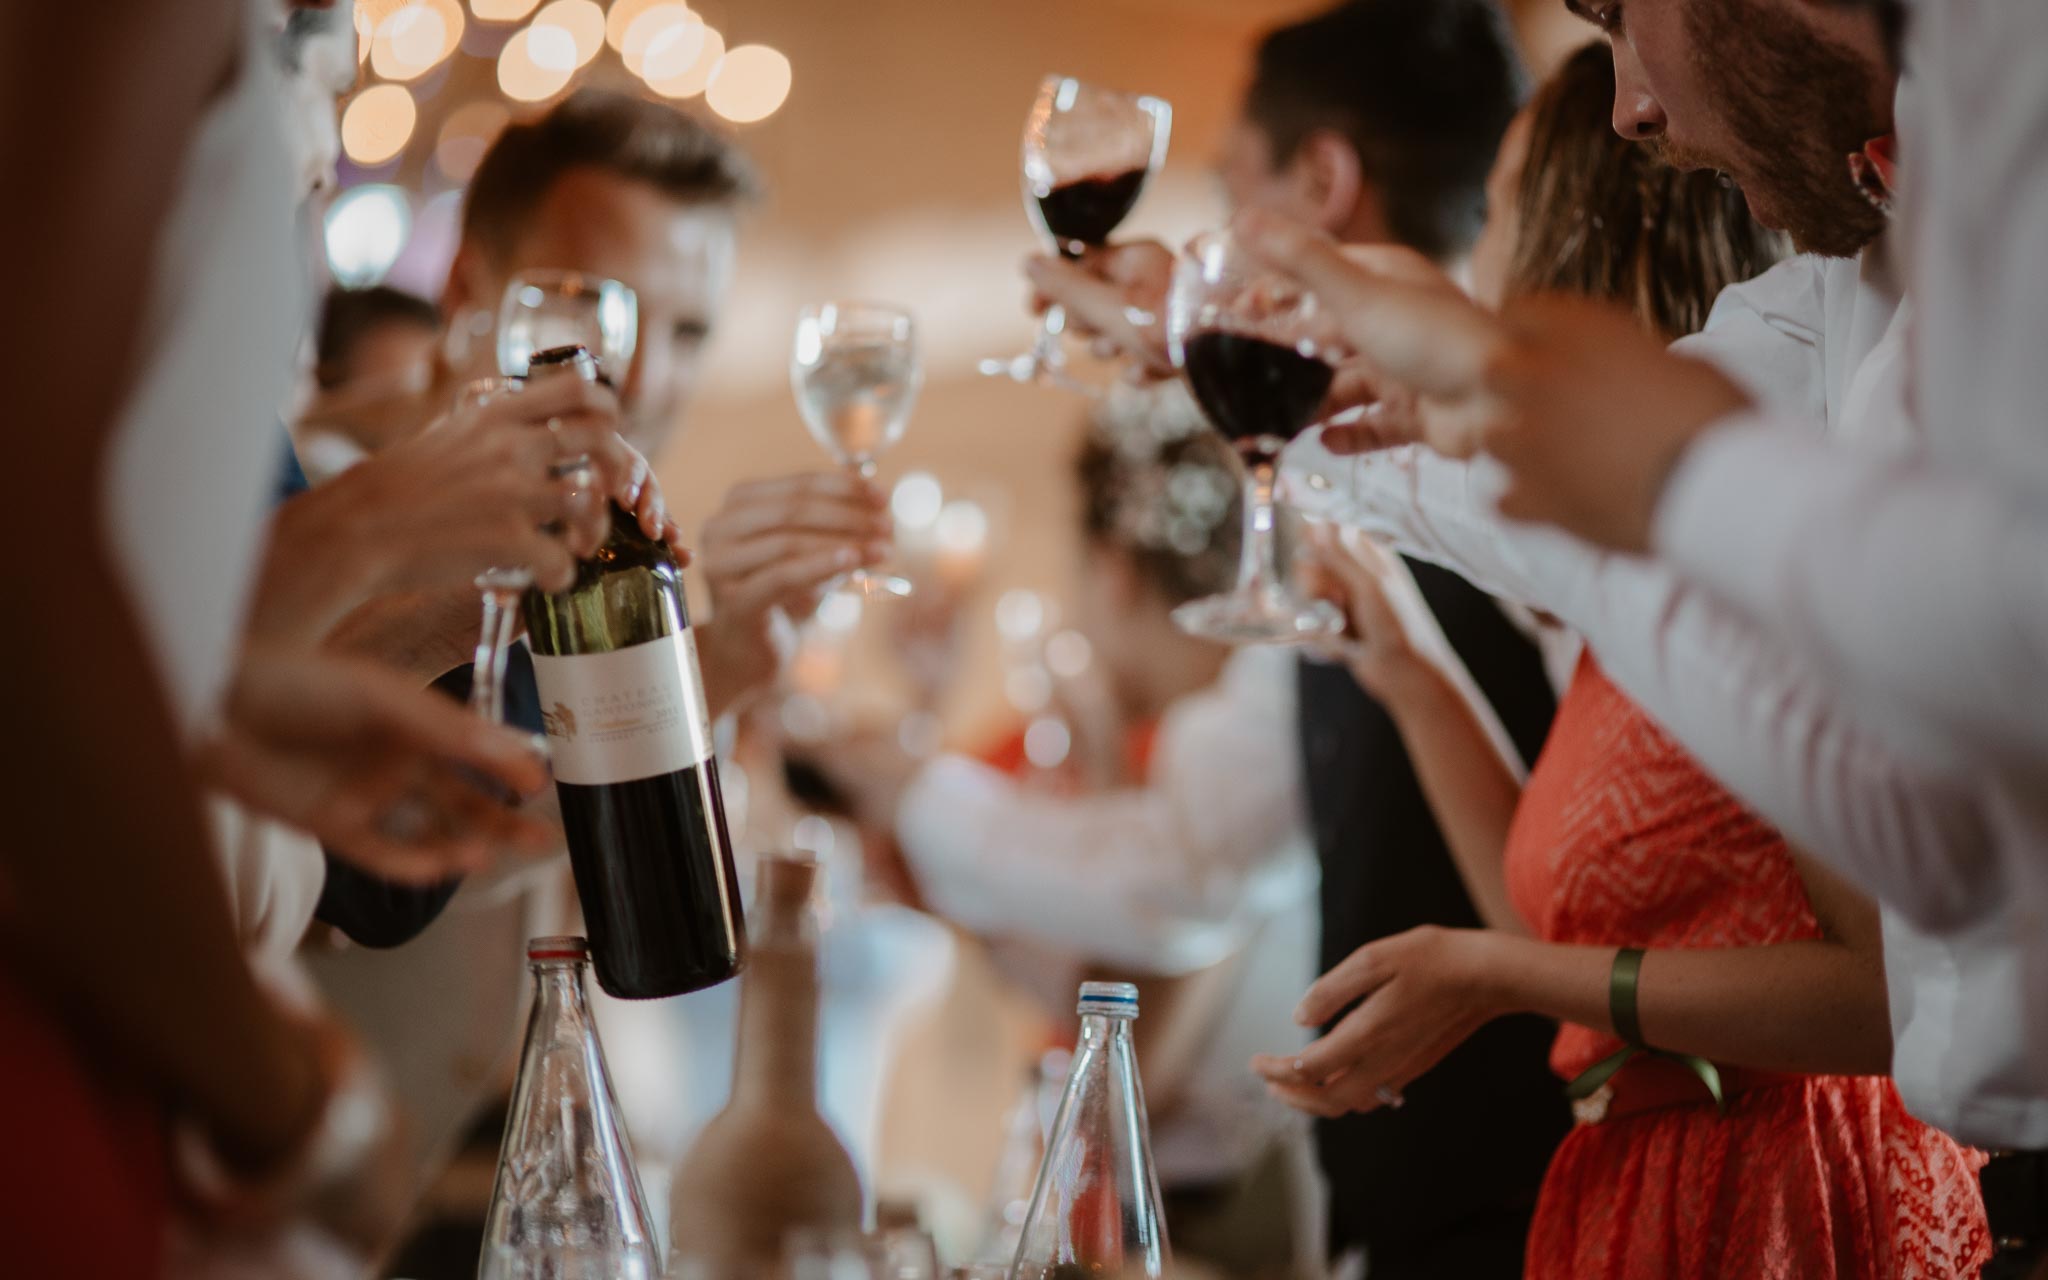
(629, 736)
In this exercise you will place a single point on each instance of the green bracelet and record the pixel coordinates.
(1621, 995)
(1622, 981)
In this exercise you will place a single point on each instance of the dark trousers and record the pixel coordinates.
(2016, 1200)
(1486, 1247)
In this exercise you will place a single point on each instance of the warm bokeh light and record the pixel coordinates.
(378, 124)
(414, 38)
(749, 84)
(527, 74)
(691, 80)
(620, 17)
(375, 11)
(501, 10)
(465, 135)
(659, 28)
(582, 19)
(366, 32)
(366, 230)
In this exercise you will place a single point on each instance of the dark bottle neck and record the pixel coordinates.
(776, 1059)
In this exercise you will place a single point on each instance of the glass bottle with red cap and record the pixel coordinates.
(567, 1202)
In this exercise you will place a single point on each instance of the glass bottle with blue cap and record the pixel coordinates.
(1095, 1210)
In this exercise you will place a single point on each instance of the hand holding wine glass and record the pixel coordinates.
(855, 371)
(1087, 156)
(1254, 347)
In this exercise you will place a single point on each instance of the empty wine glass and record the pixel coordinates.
(544, 309)
(855, 371)
(1252, 348)
(1088, 153)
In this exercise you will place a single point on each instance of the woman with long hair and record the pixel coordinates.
(1723, 999)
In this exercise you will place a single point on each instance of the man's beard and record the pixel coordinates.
(1799, 107)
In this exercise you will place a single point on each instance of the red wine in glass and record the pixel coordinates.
(1257, 394)
(1079, 215)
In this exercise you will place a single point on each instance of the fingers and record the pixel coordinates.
(441, 729)
(822, 503)
(758, 554)
(1353, 978)
(1415, 334)
(1113, 298)
(793, 584)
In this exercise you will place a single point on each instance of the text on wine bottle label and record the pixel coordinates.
(634, 713)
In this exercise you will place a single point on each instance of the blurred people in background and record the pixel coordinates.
(1759, 962)
(1377, 122)
(370, 344)
(1177, 852)
(376, 336)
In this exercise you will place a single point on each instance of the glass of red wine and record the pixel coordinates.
(1251, 346)
(1087, 155)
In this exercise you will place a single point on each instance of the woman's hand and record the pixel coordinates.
(1380, 604)
(401, 781)
(1419, 995)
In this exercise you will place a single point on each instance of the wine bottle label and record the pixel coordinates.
(633, 713)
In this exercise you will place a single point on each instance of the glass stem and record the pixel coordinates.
(1045, 348)
(494, 638)
(1257, 566)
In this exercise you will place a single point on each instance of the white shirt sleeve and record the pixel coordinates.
(1766, 723)
(1167, 876)
(1927, 587)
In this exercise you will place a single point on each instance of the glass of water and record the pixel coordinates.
(855, 371)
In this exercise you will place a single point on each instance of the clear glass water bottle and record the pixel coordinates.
(567, 1203)
(1095, 1211)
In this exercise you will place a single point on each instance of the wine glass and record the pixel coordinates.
(855, 371)
(1251, 346)
(541, 310)
(1088, 153)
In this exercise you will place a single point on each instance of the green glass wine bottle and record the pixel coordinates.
(629, 737)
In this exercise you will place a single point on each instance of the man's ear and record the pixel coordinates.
(1335, 181)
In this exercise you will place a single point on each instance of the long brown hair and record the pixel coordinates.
(1607, 218)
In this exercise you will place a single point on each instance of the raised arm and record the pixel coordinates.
(112, 900)
(1468, 769)
(1156, 875)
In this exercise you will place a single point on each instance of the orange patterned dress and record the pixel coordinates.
(1622, 839)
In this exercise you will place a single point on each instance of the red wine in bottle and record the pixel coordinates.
(629, 737)
(1079, 215)
(1257, 394)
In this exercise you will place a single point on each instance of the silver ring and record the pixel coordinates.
(1390, 1097)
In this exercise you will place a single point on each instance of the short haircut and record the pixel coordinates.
(1422, 89)
(618, 133)
(347, 314)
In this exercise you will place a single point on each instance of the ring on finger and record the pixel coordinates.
(1389, 1097)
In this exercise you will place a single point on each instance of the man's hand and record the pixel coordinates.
(777, 544)
(397, 779)
(1420, 994)
(1599, 413)
(1115, 296)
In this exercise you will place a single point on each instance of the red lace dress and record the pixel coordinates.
(1622, 839)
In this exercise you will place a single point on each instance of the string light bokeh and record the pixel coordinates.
(416, 56)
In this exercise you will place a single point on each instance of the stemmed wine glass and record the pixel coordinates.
(1250, 344)
(855, 371)
(1088, 153)
(541, 310)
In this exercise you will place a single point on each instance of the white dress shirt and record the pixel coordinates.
(1818, 341)
(1207, 859)
(1923, 575)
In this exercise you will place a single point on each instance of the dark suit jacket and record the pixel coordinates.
(1478, 1130)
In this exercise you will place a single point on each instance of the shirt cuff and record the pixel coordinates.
(1732, 510)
